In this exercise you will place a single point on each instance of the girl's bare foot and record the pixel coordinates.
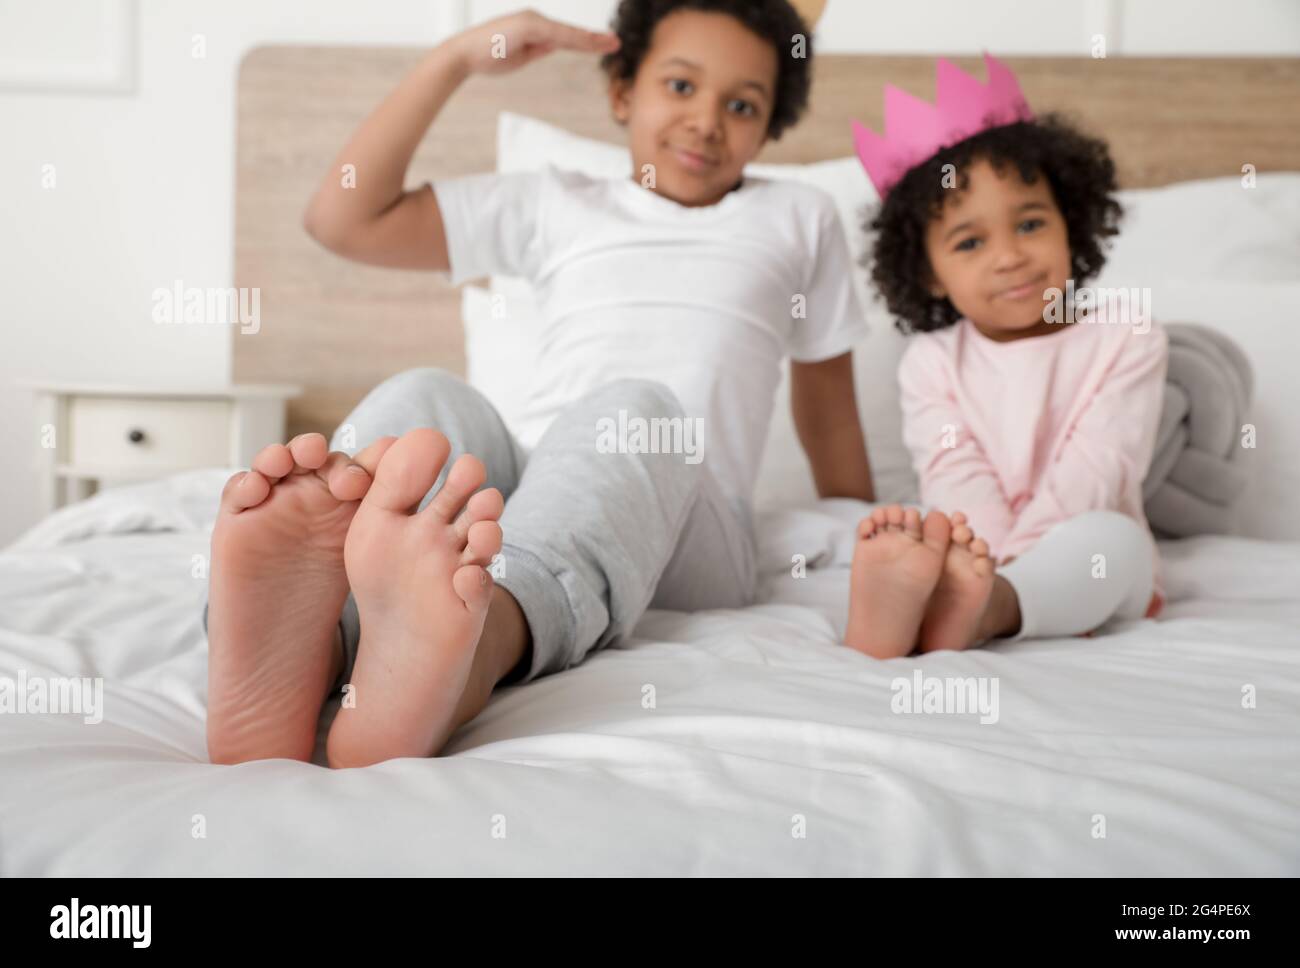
(896, 566)
(952, 619)
(277, 588)
(422, 593)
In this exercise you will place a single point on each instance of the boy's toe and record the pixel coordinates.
(484, 541)
(473, 585)
(309, 451)
(244, 490)
(408, 469)
(484, 505)
(466, 476)
(273, 461)
(348, 481)
(370, 456)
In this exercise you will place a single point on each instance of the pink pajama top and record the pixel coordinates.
(1024, 434)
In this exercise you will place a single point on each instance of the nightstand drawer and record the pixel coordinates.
(148, 432)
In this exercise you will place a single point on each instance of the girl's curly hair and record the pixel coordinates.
(776, 21)
(1078, 168)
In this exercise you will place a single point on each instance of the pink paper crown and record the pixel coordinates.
(915, 129)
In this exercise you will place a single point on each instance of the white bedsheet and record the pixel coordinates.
(763, 728)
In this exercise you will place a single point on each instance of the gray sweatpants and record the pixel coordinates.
(591, 539)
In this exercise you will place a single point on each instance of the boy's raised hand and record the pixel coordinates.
(508, 43)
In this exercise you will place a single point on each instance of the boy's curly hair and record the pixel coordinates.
(1078, 168)
(776, 21)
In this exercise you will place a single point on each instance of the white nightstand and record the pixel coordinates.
(94, 432)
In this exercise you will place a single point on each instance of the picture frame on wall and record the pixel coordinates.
(68, 46)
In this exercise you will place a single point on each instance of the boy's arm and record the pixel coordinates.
(825, 409)
(378, 221)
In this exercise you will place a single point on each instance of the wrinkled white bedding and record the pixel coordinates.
(770, 748)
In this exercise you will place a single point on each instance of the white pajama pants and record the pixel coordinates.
(1084, 572)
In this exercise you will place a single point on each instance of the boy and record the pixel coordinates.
(671, 295)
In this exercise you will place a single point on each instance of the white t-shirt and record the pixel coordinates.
(706, 300)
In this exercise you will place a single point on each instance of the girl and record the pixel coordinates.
(1030, 419)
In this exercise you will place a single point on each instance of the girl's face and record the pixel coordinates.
(996, 248)
(698, 109)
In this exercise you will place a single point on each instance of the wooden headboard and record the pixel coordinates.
(337, 329)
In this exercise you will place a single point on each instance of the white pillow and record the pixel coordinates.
(1212, 230)
(1217, 253)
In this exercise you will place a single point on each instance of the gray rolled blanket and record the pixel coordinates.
(1197, 472)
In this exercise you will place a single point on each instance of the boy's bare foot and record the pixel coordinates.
(277, 588)
(896, 566)
(422, 593)
(952, 620)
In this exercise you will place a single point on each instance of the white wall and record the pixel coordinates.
(144, 181)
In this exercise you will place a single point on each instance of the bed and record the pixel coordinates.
(742, 742)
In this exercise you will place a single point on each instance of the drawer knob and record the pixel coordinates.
(135, 435)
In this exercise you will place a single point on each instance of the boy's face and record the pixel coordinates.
(996, 247)
(698, 108)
